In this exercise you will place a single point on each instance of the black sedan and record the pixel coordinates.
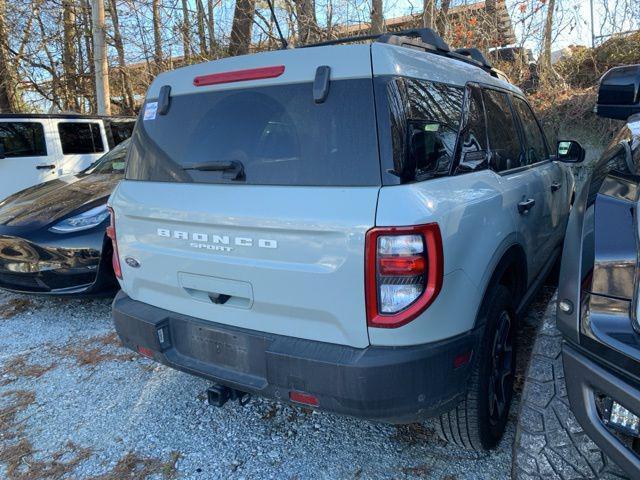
(52, 235)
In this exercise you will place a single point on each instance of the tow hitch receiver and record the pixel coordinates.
(218, 395)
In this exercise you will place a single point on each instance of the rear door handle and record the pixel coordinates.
(525, 206)
(555, 186)
(45, 167)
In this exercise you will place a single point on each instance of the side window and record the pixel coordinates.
(504, 141)
(425, 118)
(536, 149)
(79, 138)
(472, 147)
(120, 131)
(22, 139)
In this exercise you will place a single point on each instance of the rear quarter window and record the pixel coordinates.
(422, 120)
(278, 134)
(80, 138)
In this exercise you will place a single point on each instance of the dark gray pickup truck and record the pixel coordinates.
(580, 411)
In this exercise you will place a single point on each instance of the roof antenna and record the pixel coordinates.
(275, 20)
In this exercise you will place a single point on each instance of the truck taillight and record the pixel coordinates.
(403, 275)
(111, 233)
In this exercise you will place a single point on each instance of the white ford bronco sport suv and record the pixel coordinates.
(350, 227)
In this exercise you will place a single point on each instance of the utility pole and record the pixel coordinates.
(103, 94)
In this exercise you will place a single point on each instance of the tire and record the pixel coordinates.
(549, 441)
(478, 423)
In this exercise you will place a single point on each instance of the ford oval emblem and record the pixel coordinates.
(132, 262)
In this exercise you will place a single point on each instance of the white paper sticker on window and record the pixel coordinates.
(150, 111)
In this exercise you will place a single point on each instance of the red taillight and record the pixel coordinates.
(404, 270)
(239, 76)
(410, 265)
(305, 398)
(111, 233)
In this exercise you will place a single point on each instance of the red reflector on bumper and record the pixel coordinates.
(239, 76)
(301, 397)
(147, 352)
(462, 359)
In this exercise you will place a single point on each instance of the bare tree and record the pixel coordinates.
(377, 17)
(129, 101)
(157, 36)
(308, 30)
(211, 29)
(240, 38)
(103, 97)
(69, 56)
(201, 35)
(546, 39)
(428, 13)
(186, 32)
(7, 78)
(442, 23)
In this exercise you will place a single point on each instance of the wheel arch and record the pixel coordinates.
(510, 269)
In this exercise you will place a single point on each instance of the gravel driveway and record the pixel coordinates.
(74, 404)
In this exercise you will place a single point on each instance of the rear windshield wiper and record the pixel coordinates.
(233, 169)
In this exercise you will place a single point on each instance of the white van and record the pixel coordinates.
(35, 148)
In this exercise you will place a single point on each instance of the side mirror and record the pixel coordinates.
(570, 151)
(619, 93)
(2, 151)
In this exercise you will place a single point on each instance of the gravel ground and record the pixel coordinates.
(74, 404)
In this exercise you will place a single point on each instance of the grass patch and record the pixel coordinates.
(14, 307)
(19, 400)
(95, 350)
(136, 467)
(19, 367)
(21, 464)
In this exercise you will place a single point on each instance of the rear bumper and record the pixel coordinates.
(392, 384)
(584, 378)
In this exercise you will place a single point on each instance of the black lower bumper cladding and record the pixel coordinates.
(586, 380)
(392, 384)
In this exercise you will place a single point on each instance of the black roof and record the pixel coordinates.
(76, 116)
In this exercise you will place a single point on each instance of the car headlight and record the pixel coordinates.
(82, 221)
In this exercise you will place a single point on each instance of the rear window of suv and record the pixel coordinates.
(277, 133)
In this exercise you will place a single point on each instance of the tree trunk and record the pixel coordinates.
(307, 22)
(129, 100)
(377, 17)
(211, 30)
(201, 35)
(157, 36)
(103, 96)
(7, 78)
(186, 32)
(546, 40)
(442, 24)
(491, 32)
(428, 13)
(87, 25)
(240, 39)
(69, 56)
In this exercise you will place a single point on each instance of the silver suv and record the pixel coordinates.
(355, 228)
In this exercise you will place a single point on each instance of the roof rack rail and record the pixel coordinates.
(476, 55)
(338, 41)
(424, 39)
